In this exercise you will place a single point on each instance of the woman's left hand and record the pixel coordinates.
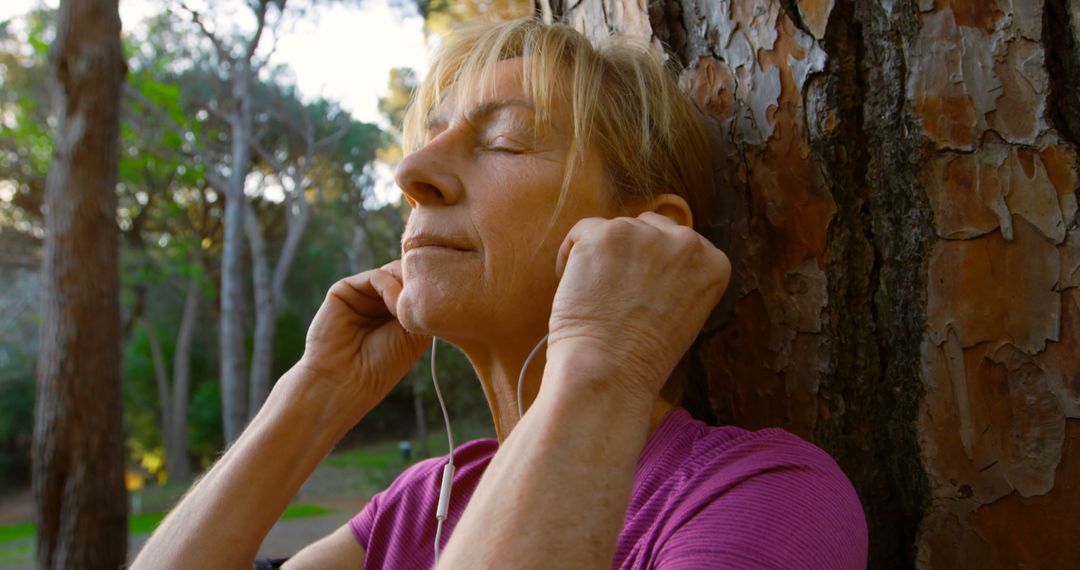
(632, 296)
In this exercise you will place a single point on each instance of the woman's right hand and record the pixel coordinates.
(355, 344)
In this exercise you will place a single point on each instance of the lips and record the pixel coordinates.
(422, 240)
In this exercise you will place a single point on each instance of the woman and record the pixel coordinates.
(555, 188)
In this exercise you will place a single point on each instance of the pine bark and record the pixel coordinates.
(80, 499)
(897, 188)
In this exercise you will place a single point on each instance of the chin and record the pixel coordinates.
(426, 310)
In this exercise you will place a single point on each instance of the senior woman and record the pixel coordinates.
(555, 190)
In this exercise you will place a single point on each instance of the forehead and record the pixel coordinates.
(503, 82)
(506, 84)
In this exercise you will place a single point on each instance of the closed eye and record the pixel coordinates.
(504, 144)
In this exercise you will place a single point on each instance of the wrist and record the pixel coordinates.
(305, 395)
(577, 371)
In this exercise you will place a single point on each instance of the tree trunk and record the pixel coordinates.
(176, 446)
(265, 313)
(270, 287)
(421, 417)
(898, 193)
(80, 501)
(359, 254)
(233, 367)
(161, 377)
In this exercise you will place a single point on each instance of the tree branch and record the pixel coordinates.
(219, 46)
(214, 178)
(260, 16)
(272, 161)
(14, 260)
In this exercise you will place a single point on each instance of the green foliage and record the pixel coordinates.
(16, 424)
(16, 415)
(173, 136)
(441, 15)
(25, 137)
(141, 409)
(288, 342)
(205, 432)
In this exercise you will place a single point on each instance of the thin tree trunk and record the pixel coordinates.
(269, 292)
(421, 417)
(176, 448)
(265, 313)
(270, 287)
(233, 379)
(80, 501)
(297, 225)
(161, 376)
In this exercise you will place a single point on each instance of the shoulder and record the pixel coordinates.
(768, 496)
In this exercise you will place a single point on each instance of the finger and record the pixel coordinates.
(576, 233)
(723, 265)
(388, 288)
(357, 293)
(394, 268)
(657, 220)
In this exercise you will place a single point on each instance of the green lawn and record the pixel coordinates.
(16, 531)
(143, 523)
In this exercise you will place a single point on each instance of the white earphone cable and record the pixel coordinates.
(448, 469)
(521, 376)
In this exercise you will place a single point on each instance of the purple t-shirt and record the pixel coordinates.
(703, 497)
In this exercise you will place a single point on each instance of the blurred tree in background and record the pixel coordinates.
(310, 218)
(80, 502)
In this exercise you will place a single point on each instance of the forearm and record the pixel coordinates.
(556, 493)
(224, 518)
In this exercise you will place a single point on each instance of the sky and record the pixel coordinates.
(341, 52)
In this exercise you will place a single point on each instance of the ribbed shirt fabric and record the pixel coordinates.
(703, 497)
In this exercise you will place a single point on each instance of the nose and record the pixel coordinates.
(427, 176)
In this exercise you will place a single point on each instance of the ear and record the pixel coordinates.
(671, 206)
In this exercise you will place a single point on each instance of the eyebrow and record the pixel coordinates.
(479, 112)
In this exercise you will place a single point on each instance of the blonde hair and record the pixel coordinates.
(622, 98)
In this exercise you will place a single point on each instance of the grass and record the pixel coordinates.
(16, 531)
(143, 523)
(304, 510)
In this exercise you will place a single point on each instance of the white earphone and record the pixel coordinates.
(448, 469)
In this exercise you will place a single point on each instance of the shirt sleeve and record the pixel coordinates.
(363, 522)
(784, 505)
(411, 486)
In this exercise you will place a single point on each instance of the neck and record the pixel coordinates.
(499, 370)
